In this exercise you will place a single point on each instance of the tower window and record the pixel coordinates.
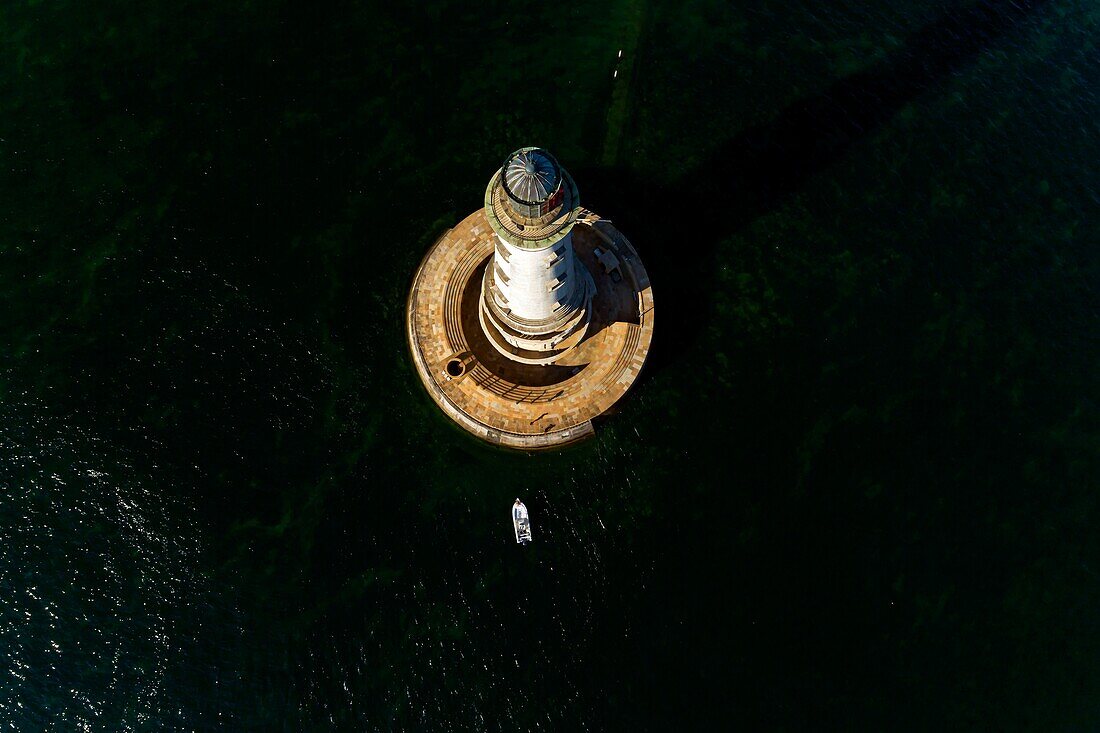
(561, 281)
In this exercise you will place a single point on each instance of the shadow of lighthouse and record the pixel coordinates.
(678, 227)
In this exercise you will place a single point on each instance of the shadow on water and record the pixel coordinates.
(748, 177)
(761, 167)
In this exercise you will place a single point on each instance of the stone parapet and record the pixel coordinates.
(498, 398)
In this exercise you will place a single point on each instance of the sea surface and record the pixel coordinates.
(857, 488)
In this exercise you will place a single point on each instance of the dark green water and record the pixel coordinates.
(856, 489)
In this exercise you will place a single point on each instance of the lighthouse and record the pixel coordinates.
(536, 295)
(529, 320)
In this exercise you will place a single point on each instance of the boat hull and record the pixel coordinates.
(521, 522)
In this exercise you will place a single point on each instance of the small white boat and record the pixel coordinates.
(521, 522)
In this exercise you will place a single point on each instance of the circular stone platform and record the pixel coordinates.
(526, 406)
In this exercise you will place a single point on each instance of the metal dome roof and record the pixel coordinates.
(531, 175)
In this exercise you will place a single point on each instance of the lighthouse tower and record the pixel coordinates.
(532, 317)
(536, 296)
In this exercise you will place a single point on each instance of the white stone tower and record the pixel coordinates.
(536, 296)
